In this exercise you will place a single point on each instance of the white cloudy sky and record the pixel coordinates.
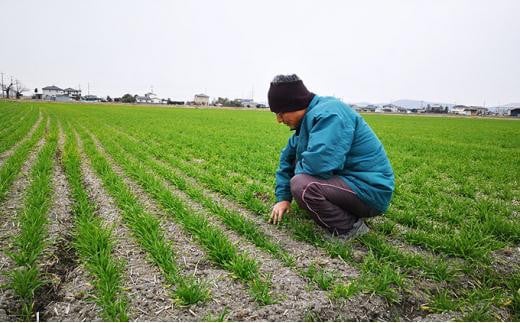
(444, 50)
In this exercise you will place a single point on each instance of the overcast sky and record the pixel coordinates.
(465, 52)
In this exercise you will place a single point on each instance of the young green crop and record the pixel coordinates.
(455, 204)
(10, 120)
(92, 241)
(146, 230)
(219, 248)
(29, 243)
(13, 164)
(10, 138)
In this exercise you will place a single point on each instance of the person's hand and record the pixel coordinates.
(278, 210)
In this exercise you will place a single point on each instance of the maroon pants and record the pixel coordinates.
(331, 202)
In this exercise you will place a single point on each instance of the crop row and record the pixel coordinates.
(92, 240)
(459, 244)
(10, 168)
(32, 223)
(219, 248)
(12, 118)
(437, 242)
(16, 129)
(248, 229)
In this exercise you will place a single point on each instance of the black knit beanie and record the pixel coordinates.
(288, 93)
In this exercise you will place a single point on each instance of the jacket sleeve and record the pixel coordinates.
(286, 171)
(330, 139)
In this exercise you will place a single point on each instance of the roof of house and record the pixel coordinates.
(201, 95)
(69, 89)
(52, 87)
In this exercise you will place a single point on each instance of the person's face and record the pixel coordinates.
(291, 119)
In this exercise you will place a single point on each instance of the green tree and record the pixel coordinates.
(128, 98)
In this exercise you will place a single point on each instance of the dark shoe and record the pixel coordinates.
(358, 229)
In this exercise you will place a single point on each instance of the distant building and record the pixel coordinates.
(51, 91)
(149, 98)
(247, 103)
(250, 103)
(72, 93)
(153, 97)
(91, 98)
(436, 108)
(62, 98)
(515, 112)
(469, 110)
(459, 109)
(143, 99)
(55, 93)
(390, 108)
(368, 108)
(201, 99)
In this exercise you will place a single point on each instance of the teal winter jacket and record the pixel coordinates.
(333, 139)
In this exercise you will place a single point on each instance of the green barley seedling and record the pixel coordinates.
(12, 166)
(470, 164)
(191, 291)
(29, 243)
(219, 248)
(261, 290)
(14, 136)
(434, 268)
(234, 220)
(144, 227)
(12, 121)
(442, 301)
(381, 278)
(221, 317)
(346, 290)
(93, 242)
(244, 267)
(325, 280)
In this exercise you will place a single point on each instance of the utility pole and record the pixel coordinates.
(2, 84)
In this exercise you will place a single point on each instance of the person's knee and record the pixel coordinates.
(298, 184)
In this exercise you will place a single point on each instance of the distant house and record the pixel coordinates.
(201, 99)
(153, 97)
(142, 99)
(247, 103)
(459, 109)
(368, 108)
(72, 93)
(62, 98)
(149, 98)
(51, 91)
(475, 111)
(390, 108)
(91, 98)
(469, 110)
(250, 103)
(58, 94)
(436, 108)
(515, 112)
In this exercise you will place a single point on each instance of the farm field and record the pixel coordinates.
(122, 213)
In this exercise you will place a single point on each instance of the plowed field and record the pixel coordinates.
(119, 213)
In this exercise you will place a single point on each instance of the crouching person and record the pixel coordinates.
(334, 165)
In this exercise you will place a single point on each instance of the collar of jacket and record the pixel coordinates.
(312, 104)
